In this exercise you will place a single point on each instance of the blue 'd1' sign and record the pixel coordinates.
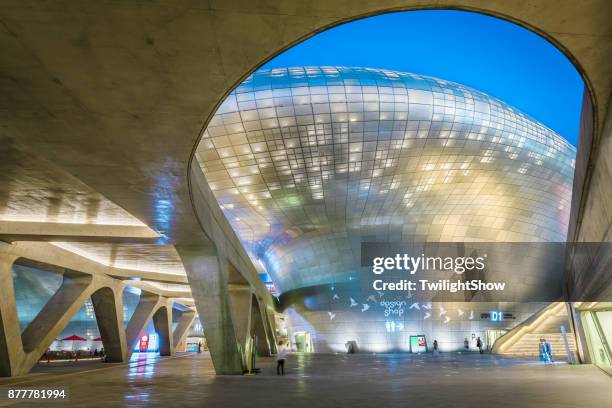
(497, 316)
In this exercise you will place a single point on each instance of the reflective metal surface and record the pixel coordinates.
(308, 162)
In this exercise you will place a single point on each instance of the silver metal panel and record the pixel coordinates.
(308, 162)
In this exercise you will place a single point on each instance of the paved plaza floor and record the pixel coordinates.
(359, 380)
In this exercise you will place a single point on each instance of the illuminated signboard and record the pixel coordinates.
(418, 344)
(144, 343)
(496, 316)
(147, 343)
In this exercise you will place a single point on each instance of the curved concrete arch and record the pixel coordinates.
(459, 6)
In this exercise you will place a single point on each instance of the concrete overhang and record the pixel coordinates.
(11, 231)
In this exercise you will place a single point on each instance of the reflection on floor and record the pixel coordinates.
(447, 380)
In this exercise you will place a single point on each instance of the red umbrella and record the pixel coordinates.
(98, 339)
(74, 337)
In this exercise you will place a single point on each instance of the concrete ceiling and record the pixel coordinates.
(161, 259)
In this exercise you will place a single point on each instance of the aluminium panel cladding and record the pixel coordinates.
(308, 162)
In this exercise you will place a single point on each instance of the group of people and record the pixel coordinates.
(545, 351)
(466, 345)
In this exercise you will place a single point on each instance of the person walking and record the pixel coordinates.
(548, 351)
(466, 344)
(542, 349)
(281, 356)
(435, 348)
(479, 345)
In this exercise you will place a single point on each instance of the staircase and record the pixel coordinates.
(524, 339)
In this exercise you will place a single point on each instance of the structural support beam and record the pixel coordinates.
(240, 300)
(158, 308)
(271, 324)
(108, 306)
(184, 323)
(49, 231)
(20, 352)
(147, 305)
(162, 320)
(258, 328)
(11, 350)
(58, 311)
(208, 276)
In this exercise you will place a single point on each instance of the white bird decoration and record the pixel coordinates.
(415, 305)
(353, 303)
(427, 315)
(442, 310)
(365, 307)
(331, 315)
(336, 296)
(460, 312)
(446, 319)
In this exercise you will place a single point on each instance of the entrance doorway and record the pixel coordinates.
(492, 335)
(598, 330)
(303, 342)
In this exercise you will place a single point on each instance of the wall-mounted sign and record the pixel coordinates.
(497, 316)
(418, 344)
(149, 342)
(144, 343)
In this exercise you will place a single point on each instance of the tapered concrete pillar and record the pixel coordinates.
(184, 323)
(258, 328)
(11, 350)
(208, 278)
(162, 320)
(148, 304)
(240, 300)
(54, 317)
(270, 324)
(108, 306)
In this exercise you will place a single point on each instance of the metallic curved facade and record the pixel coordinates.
(309, 162)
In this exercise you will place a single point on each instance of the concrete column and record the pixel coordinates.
(258, 328)
(208, 277)
(11, 349)
(58, 311)
(108, 306)
(162, 320)
(271, 330)
(240, 300)
(54, 317)
(148, 304)
(184, 323)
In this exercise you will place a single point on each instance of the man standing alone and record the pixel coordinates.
(281, 355)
